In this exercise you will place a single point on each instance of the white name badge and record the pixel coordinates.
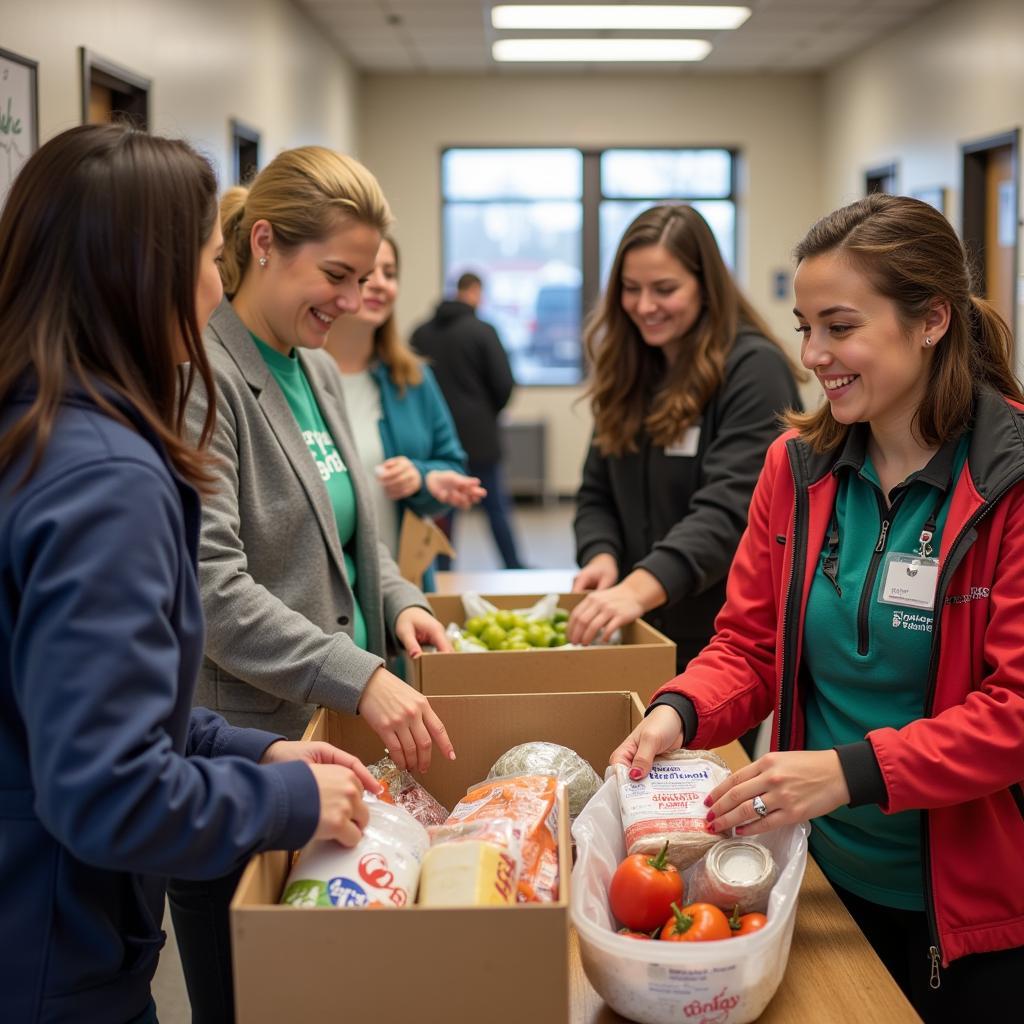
(686, 446)
(909, 580)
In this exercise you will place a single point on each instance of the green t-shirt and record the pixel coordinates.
(291, 379)
(869, 662)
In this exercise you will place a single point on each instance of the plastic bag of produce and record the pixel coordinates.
(382, 868)
(667, 982)
(487, 628)
(531, 801)
(581, 781)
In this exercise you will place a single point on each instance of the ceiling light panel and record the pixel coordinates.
(629, 17)
(600, 50)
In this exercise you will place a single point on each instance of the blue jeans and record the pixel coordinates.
(497, 507)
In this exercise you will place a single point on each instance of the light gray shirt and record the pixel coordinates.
(363, 405)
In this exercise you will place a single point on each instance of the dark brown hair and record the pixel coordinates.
(468, 280)
(912, 256)
(631, 387)
(404, 366)
(100, 241)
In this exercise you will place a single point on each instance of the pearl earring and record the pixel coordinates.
(263, 262)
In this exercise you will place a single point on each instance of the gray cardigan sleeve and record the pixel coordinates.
(251, 633)
(696, 553)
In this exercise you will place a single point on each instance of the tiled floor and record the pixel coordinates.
(543, 535)
(545, 540)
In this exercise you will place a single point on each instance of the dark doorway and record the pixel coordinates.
(245, 151)
(990, 220)
(113, 93)
(880, 179)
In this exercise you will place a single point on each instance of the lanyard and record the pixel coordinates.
(830, 565)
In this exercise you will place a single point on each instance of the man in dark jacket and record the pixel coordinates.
(472, 369)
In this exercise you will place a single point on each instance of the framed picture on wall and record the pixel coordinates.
(933, 197)
(19, 116)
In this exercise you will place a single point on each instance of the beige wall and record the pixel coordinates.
(261, 61)
(954, 75)
(405, 122)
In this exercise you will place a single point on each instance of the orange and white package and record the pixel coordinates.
(531, 801)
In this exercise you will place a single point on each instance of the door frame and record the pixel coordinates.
(972, 205)
(106, 73)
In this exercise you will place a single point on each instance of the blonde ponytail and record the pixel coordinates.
(236, 243)
(302, 193)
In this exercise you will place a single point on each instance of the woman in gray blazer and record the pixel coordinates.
(303, 603)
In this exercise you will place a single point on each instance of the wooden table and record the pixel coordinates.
(833, 975)
(506, 581)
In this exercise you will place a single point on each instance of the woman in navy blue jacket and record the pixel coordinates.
(403, 430)
(110, 782)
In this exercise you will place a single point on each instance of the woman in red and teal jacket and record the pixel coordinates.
(876, 605)
(402, 427)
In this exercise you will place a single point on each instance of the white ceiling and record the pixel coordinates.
(455, 36)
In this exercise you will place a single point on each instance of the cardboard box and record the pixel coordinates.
(642, 662)
(428, 965)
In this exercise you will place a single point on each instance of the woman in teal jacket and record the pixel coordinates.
(403, 430)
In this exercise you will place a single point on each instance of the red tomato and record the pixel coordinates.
(699, 922)
(626, 933)
(643, 890)
(746, 924)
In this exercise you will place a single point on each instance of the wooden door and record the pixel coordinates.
(1000, 229)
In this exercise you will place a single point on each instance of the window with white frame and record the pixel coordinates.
(540, 227)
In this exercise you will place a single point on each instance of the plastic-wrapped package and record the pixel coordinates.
(669, 982)
(531, 801)
(402, 790)
(471, 864)
(541, 758)
(668, 805)
(511, 636)
(383, 868)
(735, 873)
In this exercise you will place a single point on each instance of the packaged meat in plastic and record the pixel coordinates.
(383, 868)
(471, 864)
(402, 790)
(734, 874)
(668, 805)
(531, 802)
(541, 758)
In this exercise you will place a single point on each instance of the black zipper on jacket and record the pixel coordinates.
(792, 603)
(1017, 792)
(887, 516)
(957, 550)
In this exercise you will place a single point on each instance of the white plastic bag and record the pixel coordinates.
(475, 607)
(664, 982)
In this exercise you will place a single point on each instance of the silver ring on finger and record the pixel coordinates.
(759, 808)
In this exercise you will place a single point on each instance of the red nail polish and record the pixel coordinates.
(635, 773)
(711, 828)
(711, 815)
(707, 801)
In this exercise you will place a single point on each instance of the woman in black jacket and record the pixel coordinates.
(686, 388)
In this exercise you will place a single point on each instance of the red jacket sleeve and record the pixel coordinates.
(732, 681)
